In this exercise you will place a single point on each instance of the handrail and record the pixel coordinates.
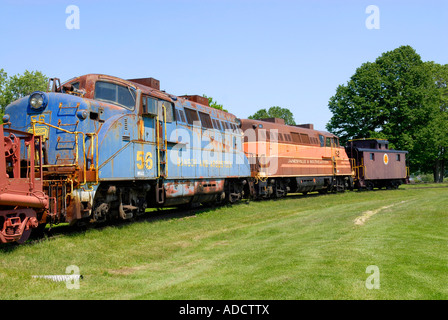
(158, 145)
(76, 133)
(166, 141)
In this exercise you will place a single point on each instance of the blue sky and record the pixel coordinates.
(246, 54)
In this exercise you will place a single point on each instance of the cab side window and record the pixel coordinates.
(154, 107)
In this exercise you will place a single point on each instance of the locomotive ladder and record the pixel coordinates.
(162, 158)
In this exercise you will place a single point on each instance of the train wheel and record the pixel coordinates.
(25, 235)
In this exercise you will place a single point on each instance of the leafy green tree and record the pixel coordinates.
(275, 112)
(432, 153)
(396, 97)
(214, 104)
(19, 86)
(3, 81)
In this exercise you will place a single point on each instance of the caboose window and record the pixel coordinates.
(398, 157)
(372, 156)
(321, 139)
(328, 142)
(111, 92)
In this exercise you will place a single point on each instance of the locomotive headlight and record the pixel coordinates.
(38, 100)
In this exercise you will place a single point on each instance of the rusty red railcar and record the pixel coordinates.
(22, 201)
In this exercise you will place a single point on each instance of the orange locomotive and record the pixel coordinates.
(294, 159)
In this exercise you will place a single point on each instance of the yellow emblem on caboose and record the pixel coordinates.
(386, 158)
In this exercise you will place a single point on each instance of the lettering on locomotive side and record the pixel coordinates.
(307, 161)
(203, 163)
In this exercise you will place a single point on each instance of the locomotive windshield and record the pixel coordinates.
(111, 92)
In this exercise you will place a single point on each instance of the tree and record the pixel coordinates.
(433, 153)
(3, 81)
(396, 97)
(19, 86)
(214, 104)
(275, 112)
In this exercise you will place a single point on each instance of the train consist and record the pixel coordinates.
(99, 148)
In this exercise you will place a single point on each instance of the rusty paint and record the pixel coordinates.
(187, 188)
(141, 130)
(21, 191)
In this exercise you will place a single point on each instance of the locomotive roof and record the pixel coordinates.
(272, 125)
(87, 82)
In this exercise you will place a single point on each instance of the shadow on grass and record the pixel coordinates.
(152, 215)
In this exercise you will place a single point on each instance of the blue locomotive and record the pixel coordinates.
(112, 147)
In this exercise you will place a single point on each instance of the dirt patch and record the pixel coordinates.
(361, 220)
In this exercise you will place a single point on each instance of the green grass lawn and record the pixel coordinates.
(312, 247)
